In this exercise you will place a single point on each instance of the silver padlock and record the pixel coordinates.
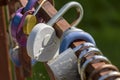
(64, 67)
(42, 43)
(64, 9)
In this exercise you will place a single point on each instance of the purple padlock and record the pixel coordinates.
(16, 27)
(18, 21)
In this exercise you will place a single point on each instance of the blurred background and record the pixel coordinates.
(102, 20)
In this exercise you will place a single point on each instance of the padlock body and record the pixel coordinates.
(29, 23)
(42, 43)
(64, 66)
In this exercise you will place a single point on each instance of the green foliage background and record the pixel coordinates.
(102, 20)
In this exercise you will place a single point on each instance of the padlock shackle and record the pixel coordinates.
(36, 11)
(64, 9)
(29, 5)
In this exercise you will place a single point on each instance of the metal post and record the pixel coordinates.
(5, 69)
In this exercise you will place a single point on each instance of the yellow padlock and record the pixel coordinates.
(30, 22)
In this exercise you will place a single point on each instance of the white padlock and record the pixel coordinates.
(42, 44)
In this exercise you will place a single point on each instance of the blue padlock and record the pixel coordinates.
(73, 34)
(14, 55)
(18, 20)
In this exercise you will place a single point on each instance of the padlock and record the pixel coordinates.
(35, 47)
(83, 46)
(110, 74)
(73, 34)
(102, 68)
(96, 58)
(84, 53)
(19, 19)
(14, 51)
(64, 67)
(42, 43)
(87, 49)
(31, 20)
(64, 9)
(29, 24)
(19, 16)
(14, 55)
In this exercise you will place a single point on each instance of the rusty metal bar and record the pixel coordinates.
(5, 69)
(25, 62)
(18, 73)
